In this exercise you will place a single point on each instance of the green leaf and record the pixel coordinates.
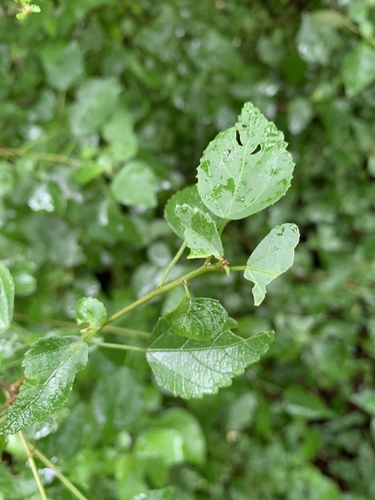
(120, 135)
(199, 319)
(63, 64)
(135, 185)
(246, 168)
(358, 70)
(272, 257)
(189, 196)
(89, 171)
(6, 298)
(200, 232)
(365, 400)
(50, 368)
(190, 368)
(96, 101)
(300, 403)
(91, 311)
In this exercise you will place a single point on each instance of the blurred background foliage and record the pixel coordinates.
(90, 86)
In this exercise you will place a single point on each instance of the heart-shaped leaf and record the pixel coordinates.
(272, 257)
(200, 319)
(6, 298)
(190, 368)
(50, 368)
(245, 168)
(200, 232)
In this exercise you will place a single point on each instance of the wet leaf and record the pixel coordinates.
(272, 257)
(6, 298)
(200, 319)
(91, 312)
(200, 232)
(245, 168)
(50, 368)
(190, 368)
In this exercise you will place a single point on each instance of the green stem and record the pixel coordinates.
(238, 268)
(33, 467)
(172, 263)
(51, 157)
(159, 291)
(121, 346)
(61, 476)
(224, 222)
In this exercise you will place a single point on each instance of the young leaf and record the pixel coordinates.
(190, 196)
(190, 368)
(6, 298)
(91, 311)
(199, 319)
(50, 368)
(272, 257)
(245, 168)
(135, 184)
(200, 232)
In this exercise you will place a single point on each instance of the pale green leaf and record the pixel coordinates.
(90, 313)
(191, 197)
(272, 257)
(190, 368)
(358, 70)
(200, 232)
(6, 298)
(62, 63)
(120, 134)
(50, 368)
(200, 319)
(135, 185)
(245, 168)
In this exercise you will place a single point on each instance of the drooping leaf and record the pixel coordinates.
(245, 168)
(190, 368)
(189, 196)
(272, 257)
(200, 319)
(200, 232)
(135, 185)
(6, 298)
(92, 312)
(50, 368)
(358, 70)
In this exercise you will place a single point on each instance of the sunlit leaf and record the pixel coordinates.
(190, 368)
(50, 368)
(200, 232)
(272, 257)
(200, 319)
(6, 298)
(245, 168)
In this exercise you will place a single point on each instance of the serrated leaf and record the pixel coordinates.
(135, 185)
(358, 70)
(272, 257)
(189, 196)
(200, 319)
(6, 298)
(245, 168)
(189, 368)
(50, 368)
(92, 312)
(200, 232)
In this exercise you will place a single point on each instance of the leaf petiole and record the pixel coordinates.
(33, 467)
(172, 264)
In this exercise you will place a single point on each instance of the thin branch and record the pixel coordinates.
(33, 467)
(121, 347)
(172, 264)
(50, 157)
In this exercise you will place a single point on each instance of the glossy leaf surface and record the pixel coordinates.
(272, 257)
(50, 368)
(6, 298)
(92, 312)
(245, 168)
(200, 232)
(200, 319)
(189, 368)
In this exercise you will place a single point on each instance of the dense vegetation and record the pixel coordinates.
(92, 90)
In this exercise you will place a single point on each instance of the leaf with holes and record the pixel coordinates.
(190, 368)
(245, 168)
(199, 319)
(272, 257)
(90, 313)
(6, 298)
(200, 232)
(50, 368)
